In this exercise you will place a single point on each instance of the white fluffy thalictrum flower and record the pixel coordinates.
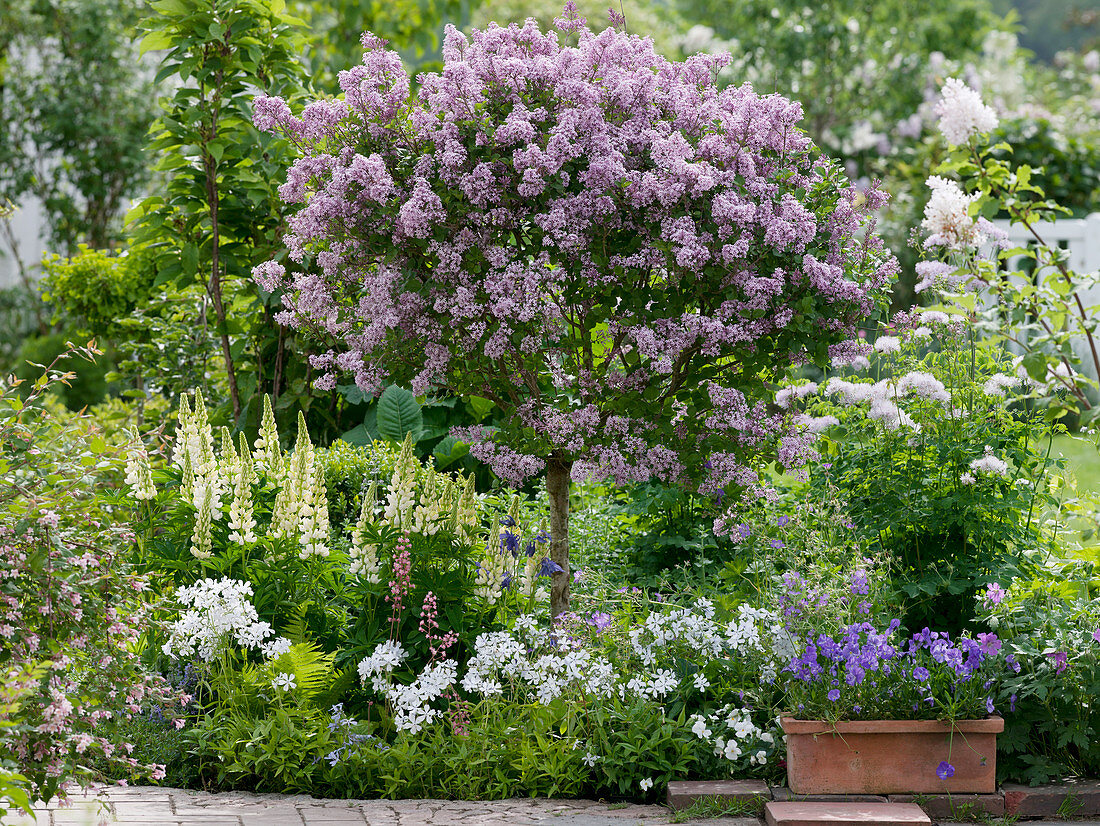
(139, 475)
(962, 113)
(947, 217)
(990, 464)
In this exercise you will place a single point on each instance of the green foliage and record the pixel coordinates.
(411, 27)
(219, 213)
(97, 288)
(75, 104)
(1051, 625)
(856, 68)
(88, 383)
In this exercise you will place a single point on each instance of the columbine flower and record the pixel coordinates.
(646, 784)
(945, 770)
(284, 682)
(962, 113)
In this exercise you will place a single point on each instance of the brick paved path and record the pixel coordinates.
(157, 806)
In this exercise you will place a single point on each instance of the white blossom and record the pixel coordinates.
(962, 113)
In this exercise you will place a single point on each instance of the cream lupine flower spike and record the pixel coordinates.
(313, 517)
(268, 457)
(139, 476)
(364, 555)
(401, 497)
(426, 517)
(466, 520)
(242, 522)
(203, 462)
(286, 514)
(203, 536)
(183, 433)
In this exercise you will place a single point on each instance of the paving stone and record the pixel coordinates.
(955, 805)
(783, 794)
(683, 793)
(1070, 799)
(799, 813)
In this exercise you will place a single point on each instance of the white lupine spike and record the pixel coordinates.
(364, 560)
(426, 518)
(466, 520)
(228, 460)
(314, 524)
(139, 475)
(202, 537)
(182, 444)
(268, 456)
(242, 522)
(401, 498)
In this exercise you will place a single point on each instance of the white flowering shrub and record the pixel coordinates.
(942, 474)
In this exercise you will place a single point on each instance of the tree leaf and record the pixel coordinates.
(399, 414)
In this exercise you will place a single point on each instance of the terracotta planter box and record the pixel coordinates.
(891, 756)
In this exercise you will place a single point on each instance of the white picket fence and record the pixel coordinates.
(1081, 238)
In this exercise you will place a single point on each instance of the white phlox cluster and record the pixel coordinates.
(221, 614)
(411, 704)
(531, 665)
(736, 736)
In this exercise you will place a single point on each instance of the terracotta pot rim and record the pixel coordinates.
(793, 725)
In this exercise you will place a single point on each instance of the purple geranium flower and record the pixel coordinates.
(1061, 661)
(600, 620)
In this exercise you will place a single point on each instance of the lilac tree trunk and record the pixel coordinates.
(557, 486)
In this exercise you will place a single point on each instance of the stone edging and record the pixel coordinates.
(1072, 799)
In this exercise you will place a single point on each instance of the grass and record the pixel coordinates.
(1082, 460)
(714, 806)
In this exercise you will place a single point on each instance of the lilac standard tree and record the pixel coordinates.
(616, 253)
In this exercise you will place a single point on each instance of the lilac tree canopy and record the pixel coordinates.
(617, 253)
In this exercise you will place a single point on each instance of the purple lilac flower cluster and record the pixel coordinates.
(578, 233)
(865, 673)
